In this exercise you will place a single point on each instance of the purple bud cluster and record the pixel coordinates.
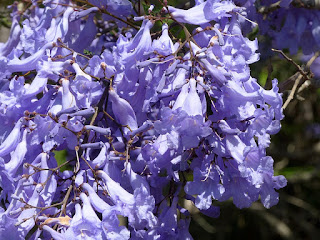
(147, 122)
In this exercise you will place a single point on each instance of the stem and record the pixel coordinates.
(102, 10)
(64, 202)
(297, 81)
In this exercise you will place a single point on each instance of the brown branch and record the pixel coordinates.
(298, 79)
(61, 44)
(305, 74)
(293, 90)
(103, 10)
(64, 202)
(270, 8)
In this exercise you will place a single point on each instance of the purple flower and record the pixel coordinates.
(123, 112)
(12, 139)
(203, 12)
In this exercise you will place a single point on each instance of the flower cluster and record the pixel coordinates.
(146, 120)
(291, 24)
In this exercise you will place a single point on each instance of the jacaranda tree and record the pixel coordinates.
(115, 113)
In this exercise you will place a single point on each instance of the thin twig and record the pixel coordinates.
(65, 200)
(270, 8)
(297, 81)
(291, 61)
(103, 10)
(61, 44)
(293, 90)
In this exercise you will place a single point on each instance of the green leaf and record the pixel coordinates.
(87, 52)
(61, 158)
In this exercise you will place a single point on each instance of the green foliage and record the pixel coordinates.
(4, 21)
(61, 158)
(4, 13)
(4, 3)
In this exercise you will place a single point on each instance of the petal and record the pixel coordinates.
(192, 104)
(29, 63)
(68, 100)
(12, 139)
(17, 156)
(123, 111)
(115, 190)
